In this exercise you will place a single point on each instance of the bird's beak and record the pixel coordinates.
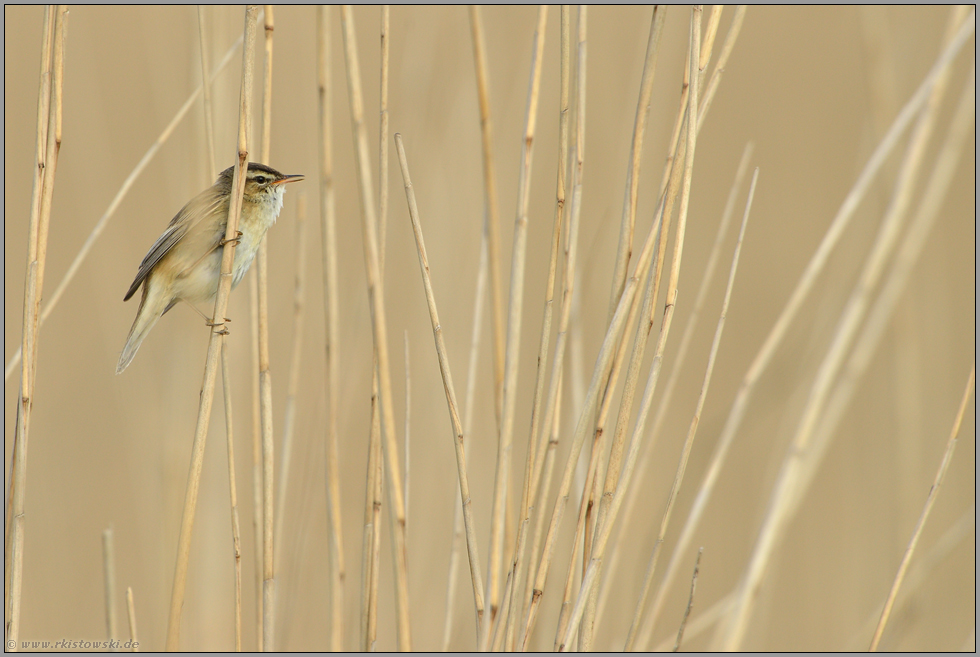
(288, 179)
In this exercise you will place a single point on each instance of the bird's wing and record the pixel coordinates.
(202, 205)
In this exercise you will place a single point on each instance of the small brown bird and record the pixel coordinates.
(184, 264)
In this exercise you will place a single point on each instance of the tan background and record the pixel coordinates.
(812, 88)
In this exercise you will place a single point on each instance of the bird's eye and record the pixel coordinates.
(260, 179)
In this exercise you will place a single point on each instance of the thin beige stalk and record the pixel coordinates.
(109, 585)
(601, 371)
(46, 149)
(596, 469)
(671, 186)
(702, 623)
(726, 51)
(371, 539)
(225, 378)
(926, 510)
(692, 431)
(708, 42)
(295, 362)
(612, 500)
(408, 429)
(793, 305)
(479, 297)
(610, 474)
(131, 615)
(371, 555)
(206, 88)
(533, 448)
(880, 315)
(257, 509)
(214, 345)
(600, 374)
(891, 290)
(376, 480)
(464, 487)
(501, 485)
(265, 374)
(612, 560)
(790, 486)
(383, 140)
(690, 602)
(117, 200)
(625, 248)
(236, 535)
(376, 295)
(922, 570)
(491, 219)
(544, 466)
(328, 231)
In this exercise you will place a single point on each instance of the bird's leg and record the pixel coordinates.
(207, 320)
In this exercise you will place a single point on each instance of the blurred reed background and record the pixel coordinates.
(814, 89)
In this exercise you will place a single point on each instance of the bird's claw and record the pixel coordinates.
(234, 240)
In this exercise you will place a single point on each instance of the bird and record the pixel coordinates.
(184, 264)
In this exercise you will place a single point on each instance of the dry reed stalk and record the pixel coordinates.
(408, 427)
(131, 615)
(708, 42)
(891, 290)
(206, 89)
(600, 374)
(225, 379)
(544, 467)
(670, 185)
(257, 510)
(702, 623)
(926, 510)
(793, 305)
(574, 571)
(214, 345)
(383, 140)
(692, 430)
(379, 322)
(47, 145)
(109, 585)
(371, 556)
(726, 50)
(624, 250)
(257, 523)
(610, 473)
(464, 487)
(479, 296)
(370, 539)
(501, 486)
(790, 487)
(236, 536)
(879, 317)
(295, 362)
(331, 333)
(491, 219)
(616, 484)
(533, 448)
(586, 524)
(612, 561)
(116, 201)
(920, 572)
(265, 373)
(690, 602)
(376, 480)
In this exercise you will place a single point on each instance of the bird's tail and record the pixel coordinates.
(146, 317)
